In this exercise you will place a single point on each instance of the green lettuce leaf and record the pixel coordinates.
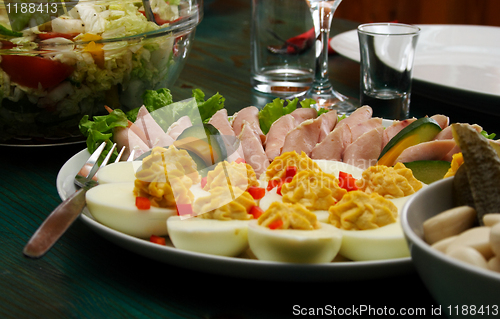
(277, 108)
(100, 129)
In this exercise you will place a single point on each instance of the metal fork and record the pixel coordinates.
(65, 214)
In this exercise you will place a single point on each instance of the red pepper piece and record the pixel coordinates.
(256, 211)
(275, 224)
(157, 240)
(347, 182)
(184, 209)
(257, 192)
(142, 203)
(278, 190)
(240, 160)
(274, 183)
(203, 182)
(291, 171)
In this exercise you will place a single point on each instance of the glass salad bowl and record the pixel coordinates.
(96, 54)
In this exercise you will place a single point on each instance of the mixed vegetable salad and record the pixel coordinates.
(51, 74)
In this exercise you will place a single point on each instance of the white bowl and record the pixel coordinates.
(455, 285)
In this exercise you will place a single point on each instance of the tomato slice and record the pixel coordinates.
(29, 71)
(51, 35)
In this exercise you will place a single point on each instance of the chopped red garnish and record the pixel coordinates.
(257, 192)
(256, 211)
(142, 203)
(275, 224)
(157, 240)
(274, 183)
(347, 182)
(290, 171)
(240, 160)
(184, 209)
(288, 179)
(203, 182)
(278, 190)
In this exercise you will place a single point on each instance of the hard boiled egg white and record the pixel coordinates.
(383, 243)
(386, 242)
(209, 236)
(292, 245)
(118, 172)
(113, 205)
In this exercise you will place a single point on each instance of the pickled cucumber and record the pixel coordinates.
(482, 167)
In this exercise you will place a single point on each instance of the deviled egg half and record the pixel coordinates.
(114, 202)
(220, 218)
(291, 233)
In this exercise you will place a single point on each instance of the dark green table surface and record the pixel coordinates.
(85, 276)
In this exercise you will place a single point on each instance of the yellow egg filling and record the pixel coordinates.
(389, 182)
(360, 211)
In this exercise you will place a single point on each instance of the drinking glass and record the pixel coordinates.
(387, 52)
(321, 89)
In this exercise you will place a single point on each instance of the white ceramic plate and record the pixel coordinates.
(238, 267)
(456, 63)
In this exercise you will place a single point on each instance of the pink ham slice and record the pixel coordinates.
(447, 134)
(365, 150)
(253, 149)
(124, 136)
(303, 138)
(359, 115)
(394, 129)
(333, 145)
(275, 138)
(328, 122)
(427, 151)
(220, 121)
(359, 129)
(179, 126)
(154, 133)
(442, 120)
(304, 113)
(249, 114)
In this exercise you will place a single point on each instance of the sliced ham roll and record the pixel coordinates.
(365, 150)
(253, 149)
(328, 122)
(447, 134)
(275, 138)
(442, 120)
(179, 126)
(154, 133)
(359, 129)
(394, 129)
(303, 114)
(125, 136)
(435, 150)
(220, 121)
(359, 115)
(249, 114)
(303, 138)
(333, 145)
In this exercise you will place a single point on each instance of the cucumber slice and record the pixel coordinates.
(428, 171)
(422, 130)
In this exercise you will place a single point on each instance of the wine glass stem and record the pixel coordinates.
(322, 17)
